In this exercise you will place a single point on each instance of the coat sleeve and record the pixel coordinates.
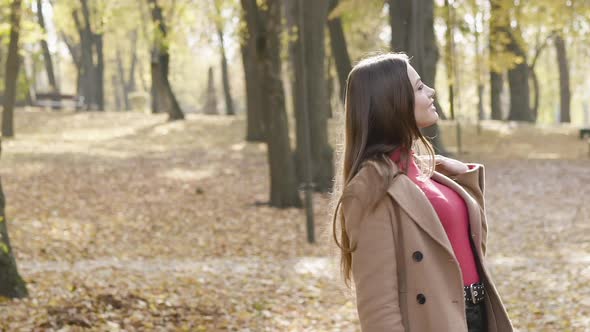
(374, 267)
(474, 182)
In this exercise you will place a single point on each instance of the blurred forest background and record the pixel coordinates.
(167, 164)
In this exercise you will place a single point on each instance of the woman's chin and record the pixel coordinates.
(434, 120)
(428, 119)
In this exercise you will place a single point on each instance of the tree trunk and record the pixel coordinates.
(130, 85)
(28, 81)
(229, 104)
(329, 81)
(564, 79)
(12, 67)
(11, 283)
(315, 15)
(86, 73)
(339, 50)
(496, 83)
(145, 22)
(400, 15)
(120, 82)
(430, 51)
(292, 13)
(75, 52)
(427, 56)
(45, 51)
(267, 24)
(90, 73)
(161, 89)
(155, 89)
(99, 71)
(535, 107)
(497, 30)
(533, 76)
(477, 23)
(518, 80)
(117, 92)
(254, 122)
(210, 95)
(480, 110)
(417, 27)
(449, 57)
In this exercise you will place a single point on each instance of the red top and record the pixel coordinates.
(453, 215)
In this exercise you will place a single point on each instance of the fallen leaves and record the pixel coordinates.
(154, 226)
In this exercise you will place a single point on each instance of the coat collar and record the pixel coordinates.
(415, 203)
(473, 208)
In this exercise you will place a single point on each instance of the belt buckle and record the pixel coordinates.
(472, 295)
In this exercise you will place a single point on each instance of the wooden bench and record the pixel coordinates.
(58, 101)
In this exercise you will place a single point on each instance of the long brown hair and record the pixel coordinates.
(379, 118)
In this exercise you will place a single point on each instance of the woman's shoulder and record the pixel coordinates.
(369, 183)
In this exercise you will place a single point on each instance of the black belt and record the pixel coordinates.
(474, 293)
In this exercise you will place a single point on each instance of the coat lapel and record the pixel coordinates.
(415, 203)
(472, 207)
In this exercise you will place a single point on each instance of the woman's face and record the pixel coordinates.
(424, 110)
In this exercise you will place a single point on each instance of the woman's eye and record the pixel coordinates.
(420, 87)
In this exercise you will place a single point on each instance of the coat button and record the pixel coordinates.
(421, 298)
(417, 256)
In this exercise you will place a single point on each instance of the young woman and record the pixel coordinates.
(412, 228)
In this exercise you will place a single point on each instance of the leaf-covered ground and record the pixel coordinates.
(124, 221)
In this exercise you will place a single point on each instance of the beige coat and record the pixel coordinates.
(388, 279)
